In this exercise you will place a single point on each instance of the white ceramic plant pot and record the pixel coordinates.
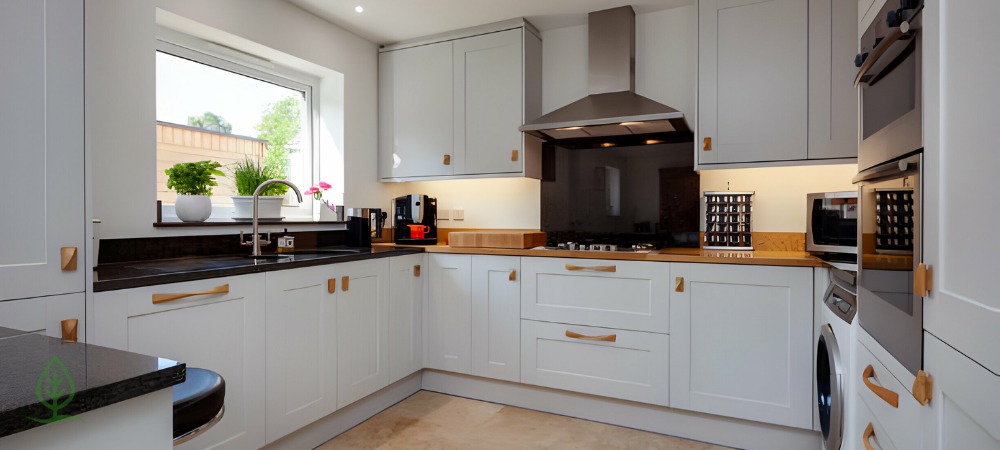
(193, 208)
(267, 207)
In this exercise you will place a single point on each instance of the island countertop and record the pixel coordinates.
(94, 376)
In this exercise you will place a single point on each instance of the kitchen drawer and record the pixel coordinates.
(140, 300)
(626, 295)
(899, 422)
(878, 439)
(633, 367)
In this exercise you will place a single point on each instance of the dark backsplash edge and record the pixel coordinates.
(113, 251)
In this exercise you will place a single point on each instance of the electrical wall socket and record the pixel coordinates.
(458, 213)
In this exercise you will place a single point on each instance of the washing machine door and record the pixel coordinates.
(829, 386)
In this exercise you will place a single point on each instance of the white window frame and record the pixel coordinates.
(231, 60)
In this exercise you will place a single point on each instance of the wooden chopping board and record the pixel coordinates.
(496, 239)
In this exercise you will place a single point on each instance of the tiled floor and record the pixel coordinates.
(429, 420)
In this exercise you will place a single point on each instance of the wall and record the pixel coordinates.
(120, 110)
(780, 201)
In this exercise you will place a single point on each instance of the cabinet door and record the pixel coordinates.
(489, 103)
(415, 91)
(833, 99)
(44, 315)
(449, 313)
(741, 342)
(963, 308)
(752, 80)
(496, 317)
(223, 333)
(963, 401)
(408, 276)
(41, 44)
(301, 348)
(362, 329)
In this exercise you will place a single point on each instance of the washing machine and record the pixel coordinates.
(838, 308)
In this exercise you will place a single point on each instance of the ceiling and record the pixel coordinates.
(391, 21)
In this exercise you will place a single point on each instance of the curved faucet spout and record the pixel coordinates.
(256, 236)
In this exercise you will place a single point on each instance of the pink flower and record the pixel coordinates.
(324, 185)
(312, 190)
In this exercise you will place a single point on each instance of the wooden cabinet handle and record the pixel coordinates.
(890, 397)
(605, 338)
(345, 283)
(161, 298)
(922, 280)
(69, 330)
(68, 258)
(922, 387)
(513, 275)
(447, 160)
(707, 144)
(679, 284)
(868, 435)
(513, 155)
(416, 270)
(331, 285)
(591, 268)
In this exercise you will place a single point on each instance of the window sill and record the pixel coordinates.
(232, 223)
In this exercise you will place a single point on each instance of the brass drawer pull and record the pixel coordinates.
(605, 338)
(68, 255)
(447, 160)
(69, 330)
(345, 283)
(679, 284)
(922, 284)
(592, 268)
(161, 298)
(513, 275)
(416, 270)
(890, 397)
(513, 155)
(331, 285)
(707, 145)
(922, 387)
(868, 435)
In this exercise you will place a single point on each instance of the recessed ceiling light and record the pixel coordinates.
(359, 9)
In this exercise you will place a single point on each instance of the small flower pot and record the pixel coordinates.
(193, 208)
(268, 207)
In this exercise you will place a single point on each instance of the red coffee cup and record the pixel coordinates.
(418, 231)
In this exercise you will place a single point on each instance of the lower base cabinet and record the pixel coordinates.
(362, 329)
(221, 332)
(449, 313)
(407, 291)
(742, 342)
(963, 406)
(496, 317)
(44, 315)
(629, 365)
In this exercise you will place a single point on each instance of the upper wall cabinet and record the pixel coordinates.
(775, 82)
(41, 44)
(450, 106)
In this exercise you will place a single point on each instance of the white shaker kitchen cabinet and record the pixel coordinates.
(753, 65)
(963, 402)
(496, 317)
(41, 44)
(362, 329)
(833, 99)
(222, 332)
(301, 347)
(407, 291)
(963, 307)
(741, 342)
(416, 121)
(449, 313)
(489, 101)
(44, 315)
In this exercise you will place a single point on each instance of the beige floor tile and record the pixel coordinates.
(432, 421)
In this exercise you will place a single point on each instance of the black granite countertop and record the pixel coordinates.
(127, 275)
(88, 376)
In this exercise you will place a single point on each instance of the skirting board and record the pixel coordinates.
(717, 430)
(329, 427)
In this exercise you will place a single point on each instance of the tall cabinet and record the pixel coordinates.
(450, 106)
(42, 253)
(775, 82)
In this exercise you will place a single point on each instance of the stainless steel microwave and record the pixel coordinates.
(890, 80)
(832, 222)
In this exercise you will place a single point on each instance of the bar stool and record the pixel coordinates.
(199, 404)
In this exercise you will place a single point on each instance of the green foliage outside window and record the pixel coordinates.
(280, 125)
(211, 122)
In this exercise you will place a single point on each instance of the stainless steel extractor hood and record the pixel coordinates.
(613, 114)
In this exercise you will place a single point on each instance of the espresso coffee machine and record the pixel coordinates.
(415, 220)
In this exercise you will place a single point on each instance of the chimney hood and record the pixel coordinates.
(613, 114)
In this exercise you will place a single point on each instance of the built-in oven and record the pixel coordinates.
(889, 78)
(889, 233)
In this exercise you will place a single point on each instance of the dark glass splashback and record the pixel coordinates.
(624, 195)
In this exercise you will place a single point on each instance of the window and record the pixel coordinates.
(209, 108)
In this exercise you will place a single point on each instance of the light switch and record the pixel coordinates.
(444, 214)
(458, 213)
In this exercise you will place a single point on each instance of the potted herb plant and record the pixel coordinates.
(247, 176)
(193, 183)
